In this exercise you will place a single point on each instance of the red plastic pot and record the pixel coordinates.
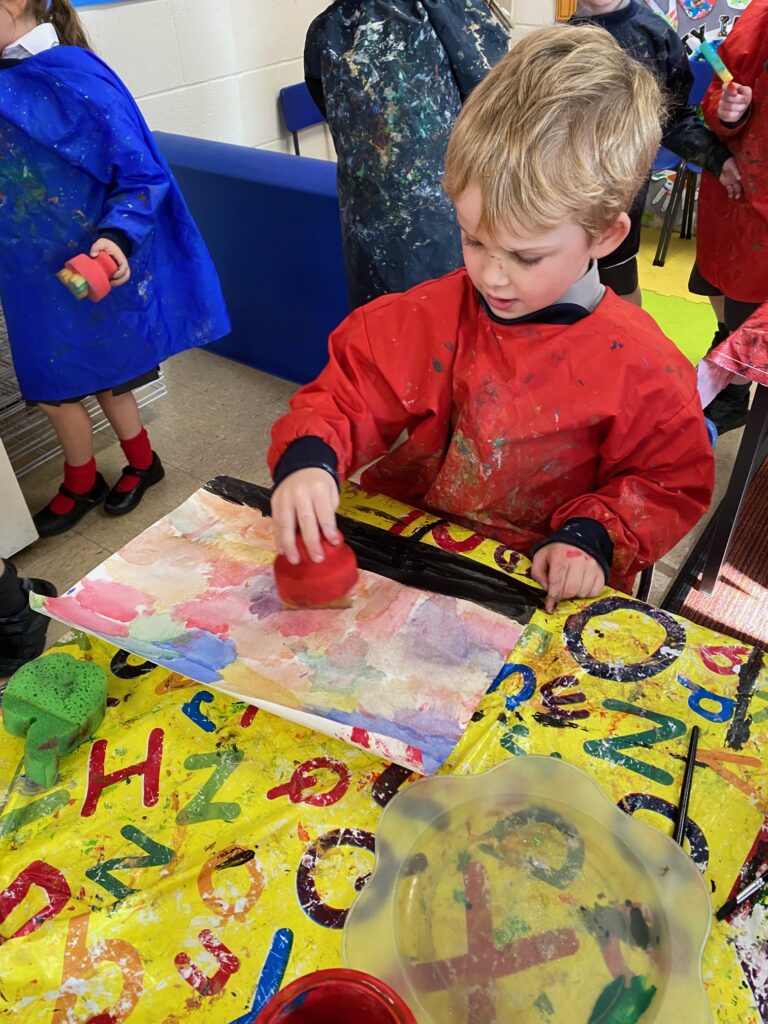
(338, 996)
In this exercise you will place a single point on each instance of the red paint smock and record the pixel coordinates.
(732, 234)
(512, 429)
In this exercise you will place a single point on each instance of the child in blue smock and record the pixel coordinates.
(80, 172)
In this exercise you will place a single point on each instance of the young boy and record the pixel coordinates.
(538, 408)
(649, 39)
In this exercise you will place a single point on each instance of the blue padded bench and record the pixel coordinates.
(271, 222)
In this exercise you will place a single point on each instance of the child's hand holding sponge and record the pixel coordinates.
(310, 584)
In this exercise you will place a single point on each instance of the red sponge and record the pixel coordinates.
(88, 275)
(311, 584)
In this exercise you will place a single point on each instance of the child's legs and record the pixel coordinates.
(699, 285)
(735, 313)
(122, 413)
(718, 305)
(73, 429)
(623, 279)
(635, 297)
(12, 598)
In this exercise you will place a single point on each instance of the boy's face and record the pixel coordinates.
(517, 274)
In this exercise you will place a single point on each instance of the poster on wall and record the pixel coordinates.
(697, 20)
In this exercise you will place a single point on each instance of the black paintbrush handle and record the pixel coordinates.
(685, 791)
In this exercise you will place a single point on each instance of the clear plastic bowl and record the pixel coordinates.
(523, 894)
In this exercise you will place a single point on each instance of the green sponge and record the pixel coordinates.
(57, 702)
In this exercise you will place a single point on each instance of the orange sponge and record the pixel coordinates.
(311, 584)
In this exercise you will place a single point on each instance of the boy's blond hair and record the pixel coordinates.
(563, 129)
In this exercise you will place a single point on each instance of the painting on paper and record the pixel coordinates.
(400, 672)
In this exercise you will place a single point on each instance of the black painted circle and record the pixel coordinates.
(309, 898)
(119, 666)
(658, 805)
(665, 655)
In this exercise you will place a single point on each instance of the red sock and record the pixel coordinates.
(79, 480)
(138, 451)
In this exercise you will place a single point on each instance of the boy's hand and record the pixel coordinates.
(123, 272)
(307, 501)
(735, 101)
(730, 178)
(565, 572)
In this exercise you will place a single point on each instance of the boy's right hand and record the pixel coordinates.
(122, 269)
(735, 101)
(306, 501)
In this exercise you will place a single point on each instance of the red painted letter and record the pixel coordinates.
(191, 973)
(53, 884)
(150, 769)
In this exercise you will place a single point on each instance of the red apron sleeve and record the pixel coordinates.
(655, 482)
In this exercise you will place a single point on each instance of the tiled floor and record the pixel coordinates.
(668, 567)
(215, 419)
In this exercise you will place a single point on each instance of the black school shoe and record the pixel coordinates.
(729, 409)
(120, 502)
(22, 635)
(48, 523)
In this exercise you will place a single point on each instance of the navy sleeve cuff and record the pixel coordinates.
(717, 157)
(589, 536)
(730, 125)
(119, 238)
(308, 452)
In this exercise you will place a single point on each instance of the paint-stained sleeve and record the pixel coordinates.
(137, 182)
(684, 133)
(359, 404)
(744, 52)
(471, 36)
(90, 121)
(655, 482)
(137, 189)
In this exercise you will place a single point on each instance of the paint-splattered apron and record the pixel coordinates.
(77, 158)
(391, 76)
(732, 242)
(515, 428)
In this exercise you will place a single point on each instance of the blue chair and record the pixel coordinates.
(256, 210)
(299, 111)
(686, 175)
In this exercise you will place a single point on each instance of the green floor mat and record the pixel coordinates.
(690, 325)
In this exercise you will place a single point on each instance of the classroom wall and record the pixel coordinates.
(210, 68)
(711, 24)
(530, 14)
(213, 68)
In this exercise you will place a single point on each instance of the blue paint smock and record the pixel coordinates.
(78, 160)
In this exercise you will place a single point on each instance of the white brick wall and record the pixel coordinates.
(529, 14)
(213, 68)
